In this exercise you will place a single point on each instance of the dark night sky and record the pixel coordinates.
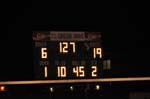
(123, 25)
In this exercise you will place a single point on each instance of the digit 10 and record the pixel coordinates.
(61, 71)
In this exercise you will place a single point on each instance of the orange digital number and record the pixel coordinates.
(79, 71)
(94, 71)
(43, 53)
(97, 51)
(61, 70)
(63, 47)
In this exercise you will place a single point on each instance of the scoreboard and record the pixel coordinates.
(67, 55)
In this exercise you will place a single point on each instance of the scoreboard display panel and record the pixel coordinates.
(67, 55)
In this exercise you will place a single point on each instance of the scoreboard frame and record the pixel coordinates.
(80, 51)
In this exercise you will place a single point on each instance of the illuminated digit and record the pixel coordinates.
(43, 53)
(63, 46)
(61, 70)
(97, 51)
(60, 47)
(73, 46)
(94, 71)
(45, 71)
(79, 70)
(75, 70)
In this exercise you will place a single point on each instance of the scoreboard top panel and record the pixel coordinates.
(66, 36)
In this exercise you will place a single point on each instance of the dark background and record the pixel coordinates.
(124, 27)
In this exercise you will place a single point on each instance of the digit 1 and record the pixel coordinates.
(45, 71)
